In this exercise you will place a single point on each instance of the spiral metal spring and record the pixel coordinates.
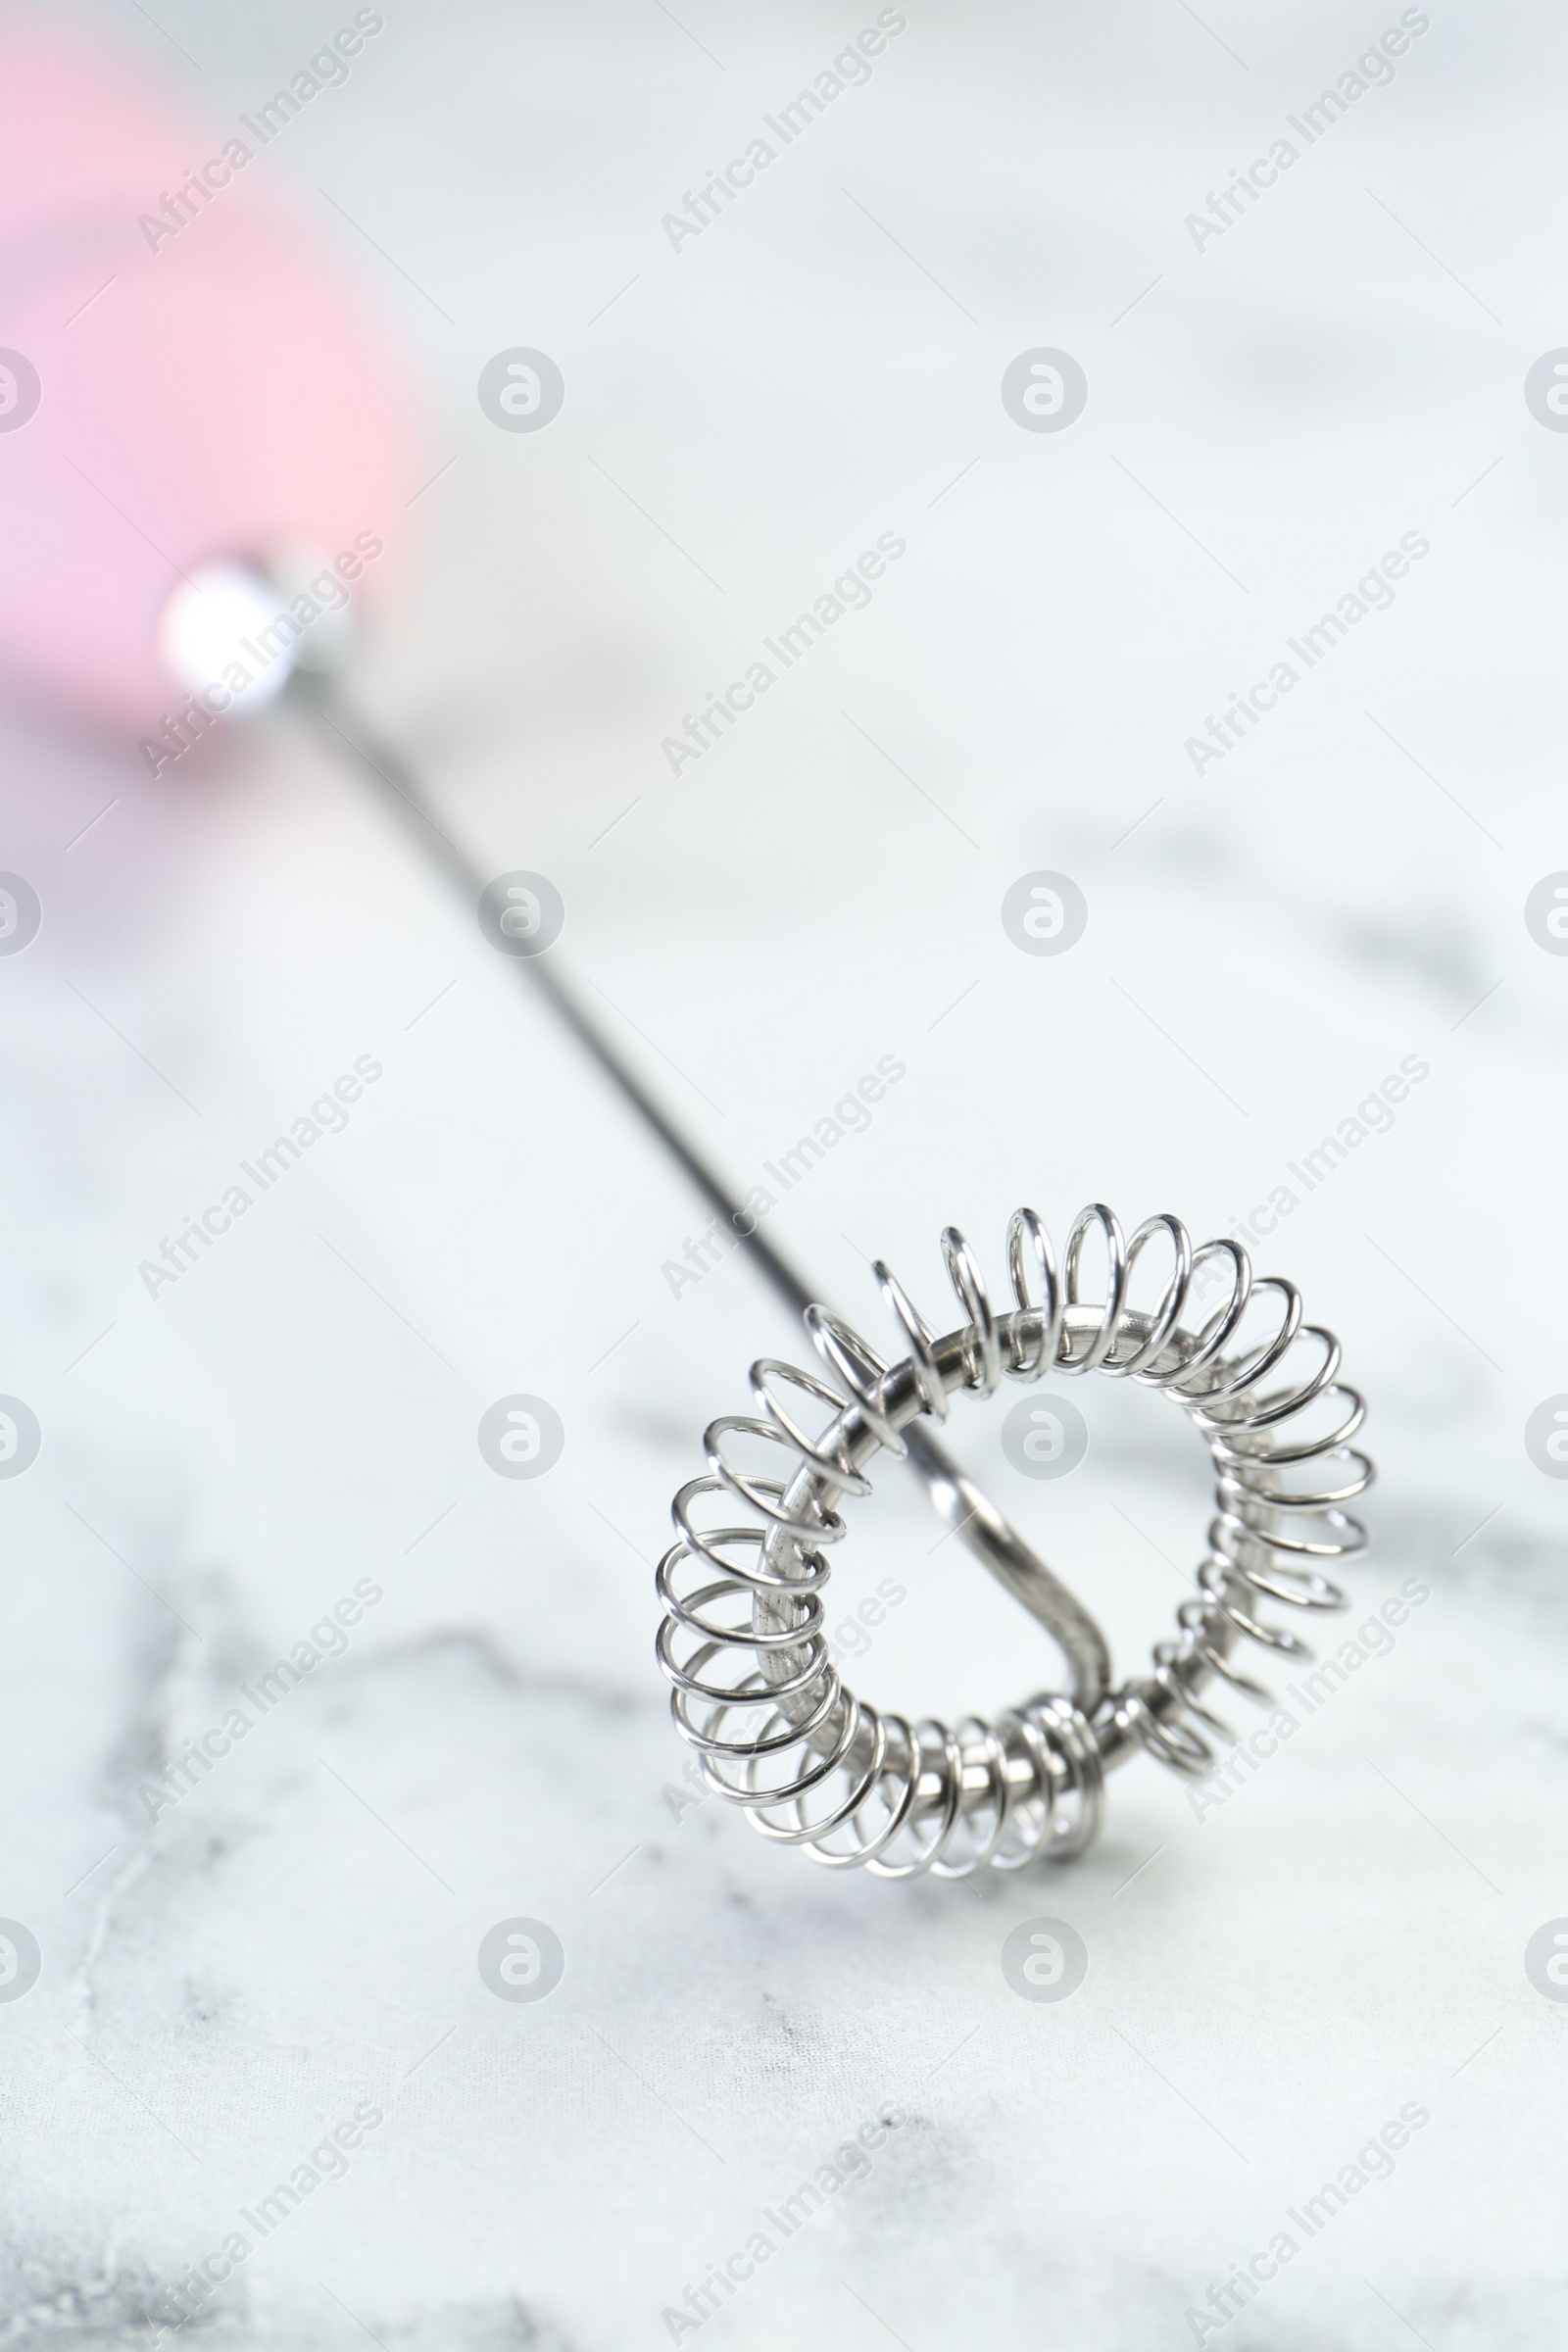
(743, 1643)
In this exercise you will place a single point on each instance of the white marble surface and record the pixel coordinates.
(298, 1936)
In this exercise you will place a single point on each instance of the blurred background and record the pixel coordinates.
(1280, 388)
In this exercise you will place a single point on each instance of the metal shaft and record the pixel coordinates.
(976, 1521)
(346, 730)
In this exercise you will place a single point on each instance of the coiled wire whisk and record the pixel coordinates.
(743, 1640)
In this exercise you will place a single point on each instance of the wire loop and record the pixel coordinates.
(755, 1688)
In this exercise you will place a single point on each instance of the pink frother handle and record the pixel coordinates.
(214, 393)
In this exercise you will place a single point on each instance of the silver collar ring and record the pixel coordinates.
(743, 1638)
